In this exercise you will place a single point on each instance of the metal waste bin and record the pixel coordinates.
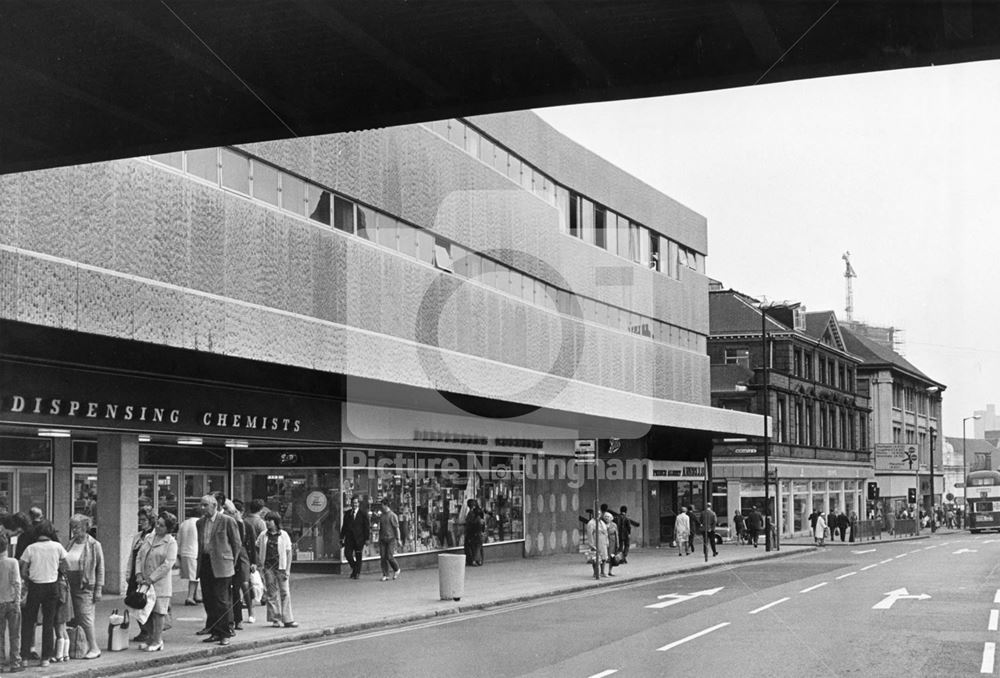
(451, 575)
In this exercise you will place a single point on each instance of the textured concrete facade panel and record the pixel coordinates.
(46, 293)
(10, 196)
(206, 245)
(105, 303)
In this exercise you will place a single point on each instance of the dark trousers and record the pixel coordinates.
(354, 554)
(626, 542)
(386, 553)
(45, 596)
(216, 594)
(753, 536)
(473, 551)
(711, 537)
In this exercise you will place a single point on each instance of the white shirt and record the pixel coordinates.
(42, 559)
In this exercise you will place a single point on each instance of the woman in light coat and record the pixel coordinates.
(597, 533)
(154, 563)
(613, 545)
(682, 532)
(85, 562)
(819, 532)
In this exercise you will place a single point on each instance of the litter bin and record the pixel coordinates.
(451, 575)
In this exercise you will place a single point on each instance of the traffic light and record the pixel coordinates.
(911, 495)
(872, 491)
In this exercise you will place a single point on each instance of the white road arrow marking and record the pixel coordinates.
(965, 551)
(681, 597)
(893, 596)
(865, 551)
(989, 651)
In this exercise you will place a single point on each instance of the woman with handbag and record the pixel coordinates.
(155, 559)
(613, 542)
(41, 564)
(274, 553)
(85, 572)
(145, 522)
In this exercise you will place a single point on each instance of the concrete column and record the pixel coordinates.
(62, 486)
(117, 503)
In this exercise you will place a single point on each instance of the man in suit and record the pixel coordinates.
(219, 545)
(625, 525)
(354, 534)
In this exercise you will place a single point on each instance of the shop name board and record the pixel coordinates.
(133, 413)
(675, 470)
(473, 439)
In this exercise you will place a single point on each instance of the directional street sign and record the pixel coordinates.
(681, 597)
(893, 596)
(965, 551)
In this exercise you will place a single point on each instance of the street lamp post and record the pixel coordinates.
(965, 473)
(767, 440)
(930, 511)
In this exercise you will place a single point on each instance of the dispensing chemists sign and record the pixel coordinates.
(899, 457)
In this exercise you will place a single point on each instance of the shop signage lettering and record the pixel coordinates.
(92, 410)
(472, 439)
(246, 421)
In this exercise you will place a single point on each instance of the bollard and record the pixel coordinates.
(451, 575)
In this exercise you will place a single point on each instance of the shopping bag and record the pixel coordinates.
(256, 587)
(591, 557)
(142, 615)
(78, 646)
(118, 631)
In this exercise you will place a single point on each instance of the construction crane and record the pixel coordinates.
(848, 274)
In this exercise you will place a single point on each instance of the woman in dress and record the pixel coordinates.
(155, 560)
(274, 552)
(41, 564)
(819, 532)
(597, 532)
(612, 541)
(85, 571)
(145, 522)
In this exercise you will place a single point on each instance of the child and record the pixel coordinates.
(64, 612)
(10, 605)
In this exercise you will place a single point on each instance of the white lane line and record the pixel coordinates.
(928, 548)
(868, 567)
(849, 574)
(996, 598)
(912, 552)
(691, 637)
(902, 555)
(994, 620)
(761, 609)
(813, 588)
(989, 651)
(602, 674)
(887, 560)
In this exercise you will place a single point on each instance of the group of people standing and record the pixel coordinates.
(688, 523)
(609, 538)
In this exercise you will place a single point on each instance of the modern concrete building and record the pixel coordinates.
(428, 313)
(794, 366)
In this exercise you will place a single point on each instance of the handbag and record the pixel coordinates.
(78, 645)
(118, 631)
(136, 599)
(257, 587)
(591, 557)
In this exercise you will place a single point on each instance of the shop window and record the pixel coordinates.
(266, 183)
(20, 450)
(33, 489)
(235, 171)
(319, 205)
(204, 163)
(196, 486)
(343, 214)
(84, 453)
(85, 494)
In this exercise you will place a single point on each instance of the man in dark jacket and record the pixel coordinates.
(625, 525)
(354, 534)
(843, 522)
(708, 523)
(474, 528)
(755, 524)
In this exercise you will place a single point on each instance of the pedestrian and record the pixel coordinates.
(64, 612)
(695, 526)
(274, 553)
(240, 583)
(219, 544)
(388, 537)
(250, 550)
(29, 531)
(354, 534)
(187, 555)
(755, 524)
(843, 522)
(29, 525)
(739, 525)
(144, 520)
(819, 532)
(85, 572)
(597, 531)
(708, 523)
(41, 564)
(585, 522)
(625, 525)
(853, 524)
(10, 606)
(614, 546)
(157, 556)
(682, 531)
(475, 526)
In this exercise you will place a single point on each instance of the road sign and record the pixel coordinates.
(895, 456)
(681, 597)
(587, 445)
(893, 596)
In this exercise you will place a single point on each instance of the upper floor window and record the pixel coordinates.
(738, 356)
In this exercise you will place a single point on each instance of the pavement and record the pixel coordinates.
(327, 605)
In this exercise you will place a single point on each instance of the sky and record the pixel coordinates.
(900, 168)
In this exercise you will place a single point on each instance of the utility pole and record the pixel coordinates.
(848, 275)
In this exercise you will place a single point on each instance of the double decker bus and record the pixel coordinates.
(982, 489)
